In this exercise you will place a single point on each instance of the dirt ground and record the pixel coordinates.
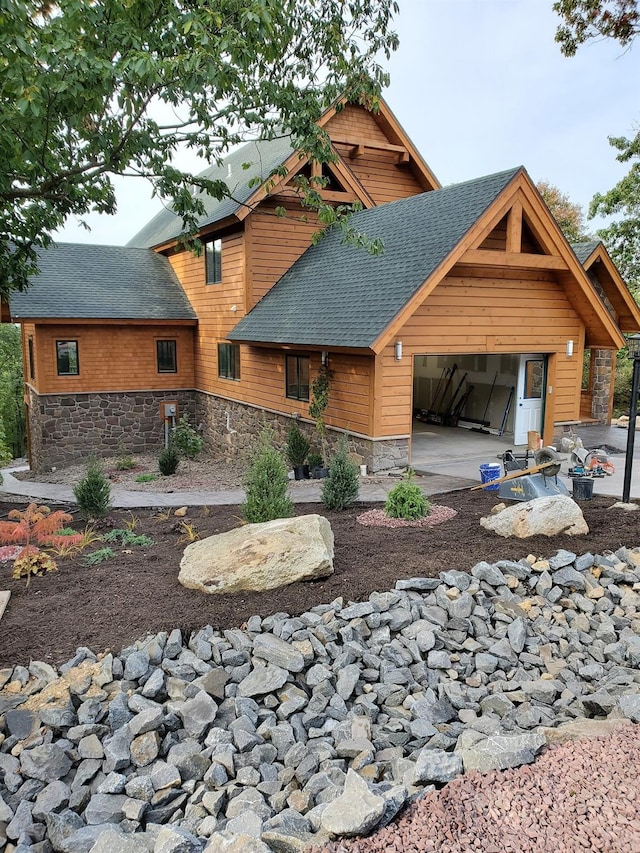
(110, 605)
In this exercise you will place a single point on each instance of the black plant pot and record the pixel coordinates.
(299, 472)
(319, 473)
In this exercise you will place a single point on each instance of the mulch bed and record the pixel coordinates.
(111, 605)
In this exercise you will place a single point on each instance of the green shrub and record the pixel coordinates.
(407, 501)
(146, 478)
(266, 483)
(99, 556)
(315, 460)
(93, 493)
(297, 446)
(186, 440)
(340, 489)
(125, 462)
(127, 538)
(168, 461)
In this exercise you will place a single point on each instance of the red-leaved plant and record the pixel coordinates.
(34, 528)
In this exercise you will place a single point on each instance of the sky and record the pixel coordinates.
(480, 86)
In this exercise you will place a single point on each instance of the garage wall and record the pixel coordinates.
(483, 310)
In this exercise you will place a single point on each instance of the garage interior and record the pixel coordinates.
(474, 391)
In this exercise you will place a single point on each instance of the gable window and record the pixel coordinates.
(32, 360)
(298, 377)
(67, 358)
(213, 261)
(166, 357)
(229, 361)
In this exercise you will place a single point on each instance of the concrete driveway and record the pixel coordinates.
(458, 453)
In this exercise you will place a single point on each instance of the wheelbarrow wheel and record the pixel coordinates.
(549, 454)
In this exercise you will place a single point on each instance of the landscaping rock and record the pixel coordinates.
(356, 811)
(260, 556)
(546, 516)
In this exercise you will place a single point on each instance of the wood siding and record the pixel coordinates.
(263, 385)
(486, 311)
(274, 244)
(112, 357)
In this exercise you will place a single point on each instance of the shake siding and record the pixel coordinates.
(492, 313)
(354, 122)
(113, 357)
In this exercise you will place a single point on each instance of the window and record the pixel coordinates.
(32, 361)
(534, 378)
(166, 356)
(213, 261)
(229, 361)
(298, 377)
(67, 358)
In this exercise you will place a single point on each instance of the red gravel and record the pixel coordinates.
(577, 797)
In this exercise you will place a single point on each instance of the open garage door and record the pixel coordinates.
(470, 391)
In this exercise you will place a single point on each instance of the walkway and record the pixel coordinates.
(447, 459)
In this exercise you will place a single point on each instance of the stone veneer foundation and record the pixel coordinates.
(65, 428)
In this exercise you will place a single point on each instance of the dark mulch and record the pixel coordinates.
(119, 601)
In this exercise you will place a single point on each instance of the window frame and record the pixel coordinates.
(67, 343)
(229, 363)
(213, 261)
(172, 351)
(299, 394)
(32, 358)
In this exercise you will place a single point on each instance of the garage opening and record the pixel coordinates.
(493, 394)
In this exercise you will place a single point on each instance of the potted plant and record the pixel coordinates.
(297, 449)
(316, 465)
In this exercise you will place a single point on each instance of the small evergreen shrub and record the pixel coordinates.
(93, 494)
(315, 460)
(407, 501)
(297, 446)
(266, 483)
(146, 478)
(341, 487)
(99, 556)
(125, 462)
(168, 461)
(186, 440)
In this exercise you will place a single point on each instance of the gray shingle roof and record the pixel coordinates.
(338, 295)
(264, 156)
(584, 250)
(81, 281)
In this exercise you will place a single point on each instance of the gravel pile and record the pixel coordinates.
(296, 730)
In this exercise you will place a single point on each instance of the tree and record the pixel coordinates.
(567, 213)
(93, 90)
(12, 411)
(620, 20)
(587, 19)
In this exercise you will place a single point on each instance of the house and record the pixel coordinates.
(477, 293)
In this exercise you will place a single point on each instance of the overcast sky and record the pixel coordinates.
(481, 86)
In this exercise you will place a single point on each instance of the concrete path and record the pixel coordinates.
(307, 491)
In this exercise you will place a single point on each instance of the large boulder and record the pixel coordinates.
(546, 516)
(260, 556)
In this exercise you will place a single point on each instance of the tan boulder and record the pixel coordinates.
(546, 516)
(260, 556)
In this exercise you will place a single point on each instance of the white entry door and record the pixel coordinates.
(529, 397)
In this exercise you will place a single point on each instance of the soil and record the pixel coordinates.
(136, 592)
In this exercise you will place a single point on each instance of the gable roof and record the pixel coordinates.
(263, 156)
(585, 250)
(597, 261)
(82, 281)
(339, 295)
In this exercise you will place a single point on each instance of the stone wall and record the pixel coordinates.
(66, 428)
(230, 429)
(602, 365)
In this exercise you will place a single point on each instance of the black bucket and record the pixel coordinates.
(582, 488)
